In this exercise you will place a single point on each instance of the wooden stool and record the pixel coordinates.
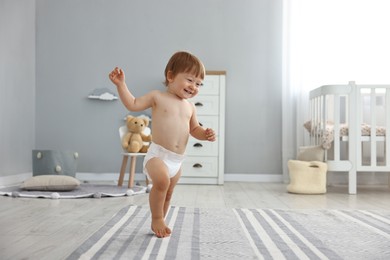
(133, 160)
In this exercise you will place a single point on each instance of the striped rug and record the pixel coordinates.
(199, 233)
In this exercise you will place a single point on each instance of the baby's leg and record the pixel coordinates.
(172, 185)
(158, 172)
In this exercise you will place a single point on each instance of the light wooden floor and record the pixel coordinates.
(52, 229)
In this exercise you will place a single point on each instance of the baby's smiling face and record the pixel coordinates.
(184, 85)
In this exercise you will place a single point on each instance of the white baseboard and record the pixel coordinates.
(253, 177)
(141, 177)
(10, 180)
(17, 179)
(89, 176)
(363, 178)
(333, 178)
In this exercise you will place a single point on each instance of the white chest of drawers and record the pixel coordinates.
(205, 160)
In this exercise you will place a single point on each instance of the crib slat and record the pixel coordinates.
(373, 127)
(316, 120)
(324, 116)
(336, 129)
(314, 128)
(320, 118)
(357, 125)
(313, 134)
(387, 118)
(354, 143)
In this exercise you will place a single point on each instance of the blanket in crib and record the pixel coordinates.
(327, 135)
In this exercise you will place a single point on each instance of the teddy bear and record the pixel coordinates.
(133, 140)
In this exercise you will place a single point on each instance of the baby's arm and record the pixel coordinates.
(117, 76)
(203, 134)
(198, 132)
(210, 135)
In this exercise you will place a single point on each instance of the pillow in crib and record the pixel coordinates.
(51, 183)
(311, 153)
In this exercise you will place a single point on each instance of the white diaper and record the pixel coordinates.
(171, 159)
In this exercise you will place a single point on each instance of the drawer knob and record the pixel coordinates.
(198, 104)
(197, 165)
(198, 145)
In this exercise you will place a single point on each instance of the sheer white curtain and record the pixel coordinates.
(329, 42)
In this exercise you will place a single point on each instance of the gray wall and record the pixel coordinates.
(78, 42)
(17, 85)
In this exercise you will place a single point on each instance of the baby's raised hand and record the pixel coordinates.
(117, 76)
(210, 135)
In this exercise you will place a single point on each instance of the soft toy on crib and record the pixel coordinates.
(133, 140)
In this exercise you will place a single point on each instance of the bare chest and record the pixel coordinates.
(173, 108)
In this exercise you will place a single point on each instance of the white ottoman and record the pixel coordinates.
(307, 177)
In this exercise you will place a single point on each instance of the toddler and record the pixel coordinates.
(174, 119)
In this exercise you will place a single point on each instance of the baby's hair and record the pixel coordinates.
(182, 62)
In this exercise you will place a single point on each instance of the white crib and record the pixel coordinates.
(350, 121)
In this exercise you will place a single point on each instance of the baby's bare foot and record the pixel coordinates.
(160, 229)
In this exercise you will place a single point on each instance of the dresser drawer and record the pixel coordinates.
(210, 122)
(210, 86)
(201, 148)
(204, 163)
(206, 105)
(200, 167)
